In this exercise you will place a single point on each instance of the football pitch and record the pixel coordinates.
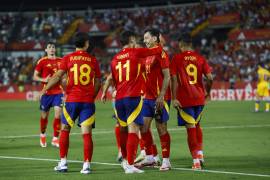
(236, 145)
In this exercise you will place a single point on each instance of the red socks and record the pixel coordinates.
(132, 144)
(141, 144)
(192, 141)
(56, 127)
(199, 137)
(88, 147)
(165, 141)
(123, 143)
(148, 142)
(117, 135)
(154, 150)
(64, 143)
(43, 125)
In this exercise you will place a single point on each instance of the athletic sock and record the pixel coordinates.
(132, 144)
(88, 147)
(257, 106)
(165, 141)
(56, 127)
(148, 142)
(43, 124)
(117, 135)
(267, 106)
(154, 150)
(199, 134)
(123, 143)
(64, 143)
(192, 142)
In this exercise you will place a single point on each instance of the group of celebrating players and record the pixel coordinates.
(146, 83)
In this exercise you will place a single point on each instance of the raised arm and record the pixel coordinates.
(144, 52)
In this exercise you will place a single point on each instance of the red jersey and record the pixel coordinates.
(126, 71)
(154, 76)
(47, 67)
(189, 67)
(82, 69)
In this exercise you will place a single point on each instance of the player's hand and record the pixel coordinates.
(176, 104)
(103, 97)
(207, 97)
(46, 80)
(160, 102)
(41, 93)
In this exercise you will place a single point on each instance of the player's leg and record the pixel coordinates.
(117, 137)
(164, 136)
(198, 115)
(86, 121)
(200, 143)
(120, 114)
(57, 103)
(68, 117)
(266, 98)
(45, 108)
(142, 154)
(186, 118)
(259, 94)
(134, 120)
(148, 114)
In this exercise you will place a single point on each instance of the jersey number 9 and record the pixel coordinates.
(192, 73)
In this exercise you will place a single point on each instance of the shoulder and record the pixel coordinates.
(42, 60)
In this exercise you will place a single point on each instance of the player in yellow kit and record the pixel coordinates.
(262, 87)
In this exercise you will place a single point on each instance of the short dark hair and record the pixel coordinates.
(50, 42)
(185, 37)
(153, 32)
(80, 39)
(125, 37)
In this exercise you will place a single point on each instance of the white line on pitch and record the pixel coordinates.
(170, 129)
(114, 164)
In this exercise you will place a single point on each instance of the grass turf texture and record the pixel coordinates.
(235, 140)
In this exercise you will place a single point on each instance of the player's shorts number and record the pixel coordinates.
(192, 71)
(119, 68)
(84, 74)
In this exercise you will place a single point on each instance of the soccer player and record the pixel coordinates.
(188, 94)
(107, 84)
(128, 80)
(83, 85)
(262, 87)
(45, 69)
(157, 101)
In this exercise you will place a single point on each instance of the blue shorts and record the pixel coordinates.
(149, 109)
(128, 110)
(48, 101)
(73, 110)
(189, 115)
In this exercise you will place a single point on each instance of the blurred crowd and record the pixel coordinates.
(231, 61)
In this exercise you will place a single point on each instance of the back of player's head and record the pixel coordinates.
(153, 32)
(126, 36)
(80, 39)
(185, 37)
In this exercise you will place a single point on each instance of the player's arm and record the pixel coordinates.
(208, 85)
(144, 52)
(107, 84)
(37, 77)
(174, 83)
(97, 86)
(165, 84)
(53, 80)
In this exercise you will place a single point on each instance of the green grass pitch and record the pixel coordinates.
(236, 140)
